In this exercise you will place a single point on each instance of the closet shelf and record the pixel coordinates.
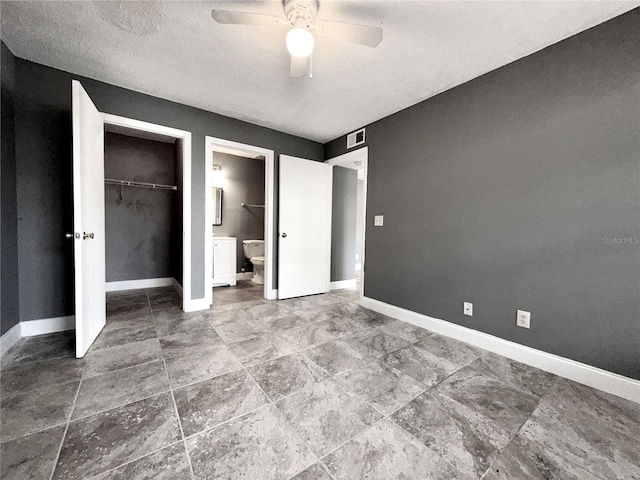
(249, 205)
(127, 183)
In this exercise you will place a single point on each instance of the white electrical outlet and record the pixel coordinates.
(378, 221)
(523, 319)
(468, 309)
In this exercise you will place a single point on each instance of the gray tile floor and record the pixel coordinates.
(308, 388)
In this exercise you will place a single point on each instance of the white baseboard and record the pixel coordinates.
(342, 284)
(177, 286)
(47, 325)
(10, 338)
(579, 372)
(244, 276)
(138, 284)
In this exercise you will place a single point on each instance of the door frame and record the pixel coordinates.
(361, 154)
(188, 304)
(213, 144)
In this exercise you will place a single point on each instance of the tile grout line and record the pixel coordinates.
(66, 428)
(133, 460)
(173, 400)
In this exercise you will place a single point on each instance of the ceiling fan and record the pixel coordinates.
(300, 17)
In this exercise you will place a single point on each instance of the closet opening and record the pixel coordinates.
(144, 203)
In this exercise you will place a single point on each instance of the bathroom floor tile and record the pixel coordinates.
(386, 451)
(35, 375)
(122, 356)
(286, 375)
(421, 365)
(33, 456)
(208, 363)
(104, 441)
(260, 445)
(122, 336)
(260, 348)
(484, 394)
(469, 440)
(170, 463)
(374, 343)
(189, 343)
(453, 350)
(386, 389)
(326, 415)
(335, 357)
(317, 471)
(208, 403)
(113, 389)
(41, 347)
(36, 410)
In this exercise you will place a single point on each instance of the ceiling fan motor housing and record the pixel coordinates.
(301, 13)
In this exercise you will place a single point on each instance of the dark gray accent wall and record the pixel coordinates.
(519, 190)
(9, 294)
(43, 156)
(343, 224)
(176, 239)
(139, 221)
(244, 182)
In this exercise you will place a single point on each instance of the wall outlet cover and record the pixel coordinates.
(523, 319)
(378, 221)
(468, 309)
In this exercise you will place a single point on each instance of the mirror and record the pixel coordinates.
(217, 206)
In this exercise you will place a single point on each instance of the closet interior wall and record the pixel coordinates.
(143, 225)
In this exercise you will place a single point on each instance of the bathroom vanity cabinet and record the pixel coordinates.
(224, 261)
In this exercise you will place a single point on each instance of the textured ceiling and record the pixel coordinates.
(174, 50)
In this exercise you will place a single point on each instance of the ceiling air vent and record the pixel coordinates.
(356, 138)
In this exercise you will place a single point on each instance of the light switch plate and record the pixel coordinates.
(378, 221)
(523, 319)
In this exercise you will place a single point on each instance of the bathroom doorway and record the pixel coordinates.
(355, 182)
(239, 211)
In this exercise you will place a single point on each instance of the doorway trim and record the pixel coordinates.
(220, 145)
(188, 304)
(361, 154)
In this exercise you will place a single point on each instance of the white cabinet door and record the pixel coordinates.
(224, 261)
(88, 218)
(304, 246)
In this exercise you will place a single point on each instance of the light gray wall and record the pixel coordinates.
(244, 181)
(140, 226)
(9, 294)
(505, 192)
(44, 172)
(343, 224)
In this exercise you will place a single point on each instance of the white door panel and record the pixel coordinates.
(304, 246)
(88, 218)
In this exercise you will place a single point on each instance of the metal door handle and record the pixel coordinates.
(284, 235)
(72, 235)
(86, 235)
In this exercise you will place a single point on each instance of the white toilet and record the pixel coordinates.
(254, 251)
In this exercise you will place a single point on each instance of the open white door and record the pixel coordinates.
(88, 218)
(304, 247)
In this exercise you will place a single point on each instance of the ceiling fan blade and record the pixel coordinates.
(243, 18)
(298, 66)
(360, 34)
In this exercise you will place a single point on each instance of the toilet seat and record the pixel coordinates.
(257, 259)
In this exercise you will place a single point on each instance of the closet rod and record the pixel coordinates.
(127, 183)
(249, 205)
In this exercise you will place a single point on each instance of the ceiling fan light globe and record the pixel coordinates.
(300, 42)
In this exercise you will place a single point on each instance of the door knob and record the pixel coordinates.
(72, 235)
(87, 235)
(284, 235)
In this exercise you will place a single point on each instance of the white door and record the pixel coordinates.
(88, 218)
(304, 246)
